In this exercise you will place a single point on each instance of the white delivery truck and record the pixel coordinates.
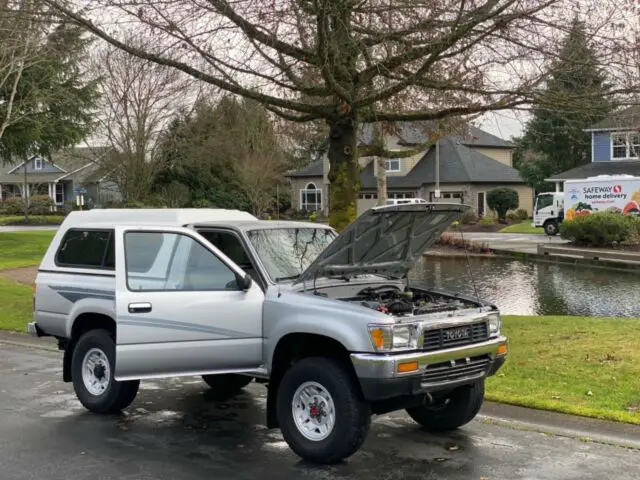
(613, 193)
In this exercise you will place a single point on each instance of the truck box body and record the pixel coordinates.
(620, 194)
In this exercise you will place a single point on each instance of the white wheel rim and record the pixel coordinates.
(96, 371)
(314, 412)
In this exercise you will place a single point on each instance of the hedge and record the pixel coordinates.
(601, 229)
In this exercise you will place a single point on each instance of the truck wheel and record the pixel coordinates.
(551, 228)
(226, 385)
(320, 411)
(93, 369)
(449, 413)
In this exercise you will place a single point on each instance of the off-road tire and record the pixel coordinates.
(551, 228)
(463, 405)
(118, 395)
(353, 414)
(226, 385)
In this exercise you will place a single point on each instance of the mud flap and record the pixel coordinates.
(66, 363)
(272, 405)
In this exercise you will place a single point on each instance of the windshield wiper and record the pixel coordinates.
(291, 277)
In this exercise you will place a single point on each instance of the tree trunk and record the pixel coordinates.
(381, 164)
(343, 171)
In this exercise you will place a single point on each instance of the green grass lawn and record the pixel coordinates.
(522, 227)
(23, 249)
(583, 366)
(16, 301)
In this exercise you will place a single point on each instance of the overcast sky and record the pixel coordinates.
(505, 124)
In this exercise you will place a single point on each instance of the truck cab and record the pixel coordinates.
(548, 212)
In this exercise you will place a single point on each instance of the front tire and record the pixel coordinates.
(551, 228)
(93, 370)
(320, 411)
(456, 410)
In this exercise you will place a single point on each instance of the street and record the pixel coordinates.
(174, 430)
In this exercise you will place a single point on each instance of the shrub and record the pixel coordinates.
(487, 220)
(502, 200)
(513, 217)
(469, 218)
(12, 206)
(201, 203)
(600, 229)
(454, 241)
(40, 205)
(522, 214)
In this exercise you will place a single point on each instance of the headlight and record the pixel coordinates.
(494, 324)
(387, 338)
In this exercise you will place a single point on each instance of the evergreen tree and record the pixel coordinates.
(576, 97)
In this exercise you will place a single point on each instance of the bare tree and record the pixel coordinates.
(370, 60)
(138, 98)
(23, 26)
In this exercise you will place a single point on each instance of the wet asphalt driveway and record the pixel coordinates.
(175, 430)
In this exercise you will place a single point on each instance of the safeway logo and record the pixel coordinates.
(617, 188)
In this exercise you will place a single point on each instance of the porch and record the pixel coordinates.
(60, 192)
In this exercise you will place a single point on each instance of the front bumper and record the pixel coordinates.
(381, 379)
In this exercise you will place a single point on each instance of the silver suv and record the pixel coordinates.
(328, 322)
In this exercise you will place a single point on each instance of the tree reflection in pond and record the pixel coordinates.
(531, 288)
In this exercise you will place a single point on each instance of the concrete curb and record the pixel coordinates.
(584, 262)
(585, 429)
(25, 341)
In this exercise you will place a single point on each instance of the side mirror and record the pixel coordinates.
(245, 282)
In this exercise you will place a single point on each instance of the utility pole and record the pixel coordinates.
(437, 192)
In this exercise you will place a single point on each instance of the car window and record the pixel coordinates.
(545, 201)
(181, 263)
(85, 249)
(230, 245)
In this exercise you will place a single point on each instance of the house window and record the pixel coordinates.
(37, 163)
(392, 164)
(59, 193)
(625, 146)
(311, 198)
(450, 197)
(368, 196)
(402, 195)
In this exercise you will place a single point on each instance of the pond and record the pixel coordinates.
(535, 288)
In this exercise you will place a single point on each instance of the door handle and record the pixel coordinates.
(139, 307)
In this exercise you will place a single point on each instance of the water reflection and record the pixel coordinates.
(529, 288)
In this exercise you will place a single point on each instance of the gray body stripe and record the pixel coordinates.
(73, 294)
(160, 323)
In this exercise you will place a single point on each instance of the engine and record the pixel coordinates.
(393, 301)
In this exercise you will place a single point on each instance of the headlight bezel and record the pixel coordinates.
(494, 324)
(387, 338)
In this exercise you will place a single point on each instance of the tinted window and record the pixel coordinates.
(178, 263)
(230, 245)
(86, 248)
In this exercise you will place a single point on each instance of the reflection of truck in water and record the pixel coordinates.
(604, 193)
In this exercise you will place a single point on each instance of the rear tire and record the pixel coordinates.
(93, 370)
(226, 385)
(551, 228)
(458, 409)
(320, 411)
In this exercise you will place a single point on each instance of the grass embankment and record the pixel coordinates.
(19, 249)
(579, 365)
(23, 249)
(522, 227)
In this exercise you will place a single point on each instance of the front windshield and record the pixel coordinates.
(287, 252)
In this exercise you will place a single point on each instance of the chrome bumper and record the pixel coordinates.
(381, 366)
(33, 330)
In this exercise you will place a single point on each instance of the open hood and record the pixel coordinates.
(385, 240)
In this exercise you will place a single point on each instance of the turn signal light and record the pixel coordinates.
(377, 336)
(502, 349)
(408, 367)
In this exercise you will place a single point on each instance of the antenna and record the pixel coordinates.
(469, 269)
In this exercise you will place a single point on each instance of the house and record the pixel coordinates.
(61, 177)
(615, 148)
(471, 164)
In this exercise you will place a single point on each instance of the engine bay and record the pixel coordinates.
(394, 301)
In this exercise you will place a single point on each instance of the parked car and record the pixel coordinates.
(326, 321)
(405, 201)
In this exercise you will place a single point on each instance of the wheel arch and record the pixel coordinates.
(83, 323)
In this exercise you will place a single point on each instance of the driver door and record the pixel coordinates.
(181, 308)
